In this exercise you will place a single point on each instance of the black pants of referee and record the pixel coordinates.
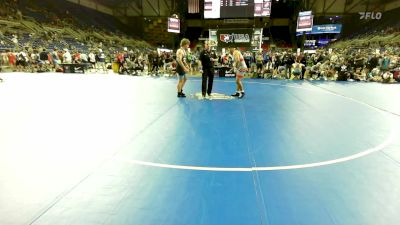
(207, 78)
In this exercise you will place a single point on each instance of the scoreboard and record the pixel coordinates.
(236, 8)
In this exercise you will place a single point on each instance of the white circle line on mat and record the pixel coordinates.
(363, 153)
(266, 168)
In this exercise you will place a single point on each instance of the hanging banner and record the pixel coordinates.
(305, 21)
(174, 25)
(262, 8)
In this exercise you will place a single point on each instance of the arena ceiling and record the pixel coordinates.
(346, 7)
(149, 8)
(131, 8)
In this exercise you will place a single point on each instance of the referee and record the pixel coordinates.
(208, 70)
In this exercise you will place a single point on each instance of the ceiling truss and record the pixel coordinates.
(145, 8)
(347, 7)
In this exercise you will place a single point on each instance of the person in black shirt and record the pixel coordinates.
(373, 62)
(344, 71)
(155, 63)
(43, 60)
(43, 56)
(288, 62)
(208, 70)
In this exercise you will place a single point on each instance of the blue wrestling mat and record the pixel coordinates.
(117, 150)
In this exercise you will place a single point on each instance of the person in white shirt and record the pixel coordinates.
(67, 57)
(102, 60)
(92, 60)
(34, 58)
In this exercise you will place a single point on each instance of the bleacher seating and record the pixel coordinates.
(156, 31)
(370, 27)
(38, 28)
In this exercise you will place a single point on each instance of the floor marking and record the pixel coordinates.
(181, 167)
(266, 168)
(214, 96)
(272, 168)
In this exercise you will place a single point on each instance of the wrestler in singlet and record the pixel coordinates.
(239, 65)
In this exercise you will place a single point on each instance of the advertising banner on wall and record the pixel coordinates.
(323, 29)
(309, 43)
(323, 42)
(234, 37)
(327, 29)
(212, 38)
